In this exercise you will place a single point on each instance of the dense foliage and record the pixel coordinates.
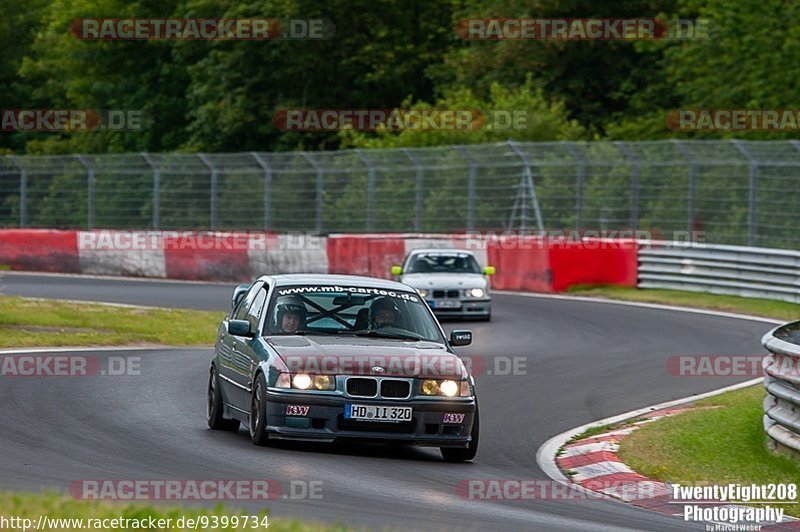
(222, 95)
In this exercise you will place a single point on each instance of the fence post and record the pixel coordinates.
(23, 191)
(419, 197)
(580, 183)
(213, 193)
(318, 194)
(156, 189)
(267, 188)
(751, 199)
(473, 167)
(89, 190)
(370, 190)
(634, 160)
(692, 199)
(526, 186)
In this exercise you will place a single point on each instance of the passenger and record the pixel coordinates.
(384, 313)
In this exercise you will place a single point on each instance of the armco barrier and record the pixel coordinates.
(782, 382)
(735, 270)
(525, 263)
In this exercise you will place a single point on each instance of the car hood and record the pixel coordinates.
(444, 280)
(363, 356)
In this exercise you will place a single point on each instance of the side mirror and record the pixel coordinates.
(397, 270)
(239, 328)
(489, 270)
(460, 338)
(238, 293)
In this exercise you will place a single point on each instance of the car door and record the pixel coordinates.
(243, 350)
(228, 364)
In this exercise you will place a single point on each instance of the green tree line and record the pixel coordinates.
(222, 95)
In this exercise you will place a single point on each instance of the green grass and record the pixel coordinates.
(758, 307)
(38, 323)
(720, 445)
(602, 429)
(31, 506)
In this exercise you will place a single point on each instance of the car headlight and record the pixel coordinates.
(423, 293)
(448, 388)
(302, 381)
(475, 292)
(324, 382)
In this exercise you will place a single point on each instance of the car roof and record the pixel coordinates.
(441, 251)
(320, 279)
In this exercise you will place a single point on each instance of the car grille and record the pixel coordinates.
(395, 389)
(362, 387)
(445, 293)
(368, 387)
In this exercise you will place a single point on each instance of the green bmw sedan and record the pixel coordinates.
(338, 357)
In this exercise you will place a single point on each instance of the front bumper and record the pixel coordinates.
(325, 420)
(469, 308)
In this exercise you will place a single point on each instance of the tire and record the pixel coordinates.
(455, 454)
(258, 412)
(214, 406)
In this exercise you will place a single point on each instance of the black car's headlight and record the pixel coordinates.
(304, 381)
(446, 388)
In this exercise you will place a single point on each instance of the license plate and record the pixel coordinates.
(377, 413)
(448, 303)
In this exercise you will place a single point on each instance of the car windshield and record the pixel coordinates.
(351, 310)
(442, 263)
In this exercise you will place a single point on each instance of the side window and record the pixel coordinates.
(256, 309)
(247, 300)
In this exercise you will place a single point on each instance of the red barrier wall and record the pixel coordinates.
(224, 261)
(593, 262)
(43, 250)
(524, 263)
(521, 264)
(348, 254)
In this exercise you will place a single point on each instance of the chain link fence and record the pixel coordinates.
(733, 192)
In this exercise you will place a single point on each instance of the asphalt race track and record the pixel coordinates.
(585, 361)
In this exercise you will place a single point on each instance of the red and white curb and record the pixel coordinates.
(593, 464)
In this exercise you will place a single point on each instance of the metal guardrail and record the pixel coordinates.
(782, 382)
(717, 269)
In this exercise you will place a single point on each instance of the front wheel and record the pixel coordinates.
(258, 412)
(214, 406)
(455, 454)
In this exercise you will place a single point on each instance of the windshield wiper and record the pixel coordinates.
(393, 336)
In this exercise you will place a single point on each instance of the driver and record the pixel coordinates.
(383, 312)
(290, 314)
